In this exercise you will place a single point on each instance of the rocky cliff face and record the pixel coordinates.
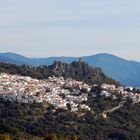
(81, 71)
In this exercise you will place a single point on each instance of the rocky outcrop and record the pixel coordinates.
(81, 71)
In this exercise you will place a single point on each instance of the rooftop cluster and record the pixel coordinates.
(59, 92)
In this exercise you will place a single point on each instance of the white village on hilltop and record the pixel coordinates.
(57, 91)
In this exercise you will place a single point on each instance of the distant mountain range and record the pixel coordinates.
(124, 71)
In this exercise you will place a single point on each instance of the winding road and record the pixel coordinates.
(104, 114)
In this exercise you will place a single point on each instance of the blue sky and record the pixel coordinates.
(42, 28)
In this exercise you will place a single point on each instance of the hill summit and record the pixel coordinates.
(79, 70)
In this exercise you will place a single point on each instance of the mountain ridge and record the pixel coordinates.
(124, 71)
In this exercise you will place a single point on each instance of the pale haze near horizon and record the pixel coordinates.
(70, 28)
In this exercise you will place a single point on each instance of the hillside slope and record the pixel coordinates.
(80, 71)
(124, 71)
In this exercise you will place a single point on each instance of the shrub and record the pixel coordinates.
(5, 137)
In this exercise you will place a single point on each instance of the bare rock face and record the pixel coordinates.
(81, 71)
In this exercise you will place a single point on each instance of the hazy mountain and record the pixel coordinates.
(12, 58)
(127, 72)
(19, 59)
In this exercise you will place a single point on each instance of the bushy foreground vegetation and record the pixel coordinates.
(38, 121)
